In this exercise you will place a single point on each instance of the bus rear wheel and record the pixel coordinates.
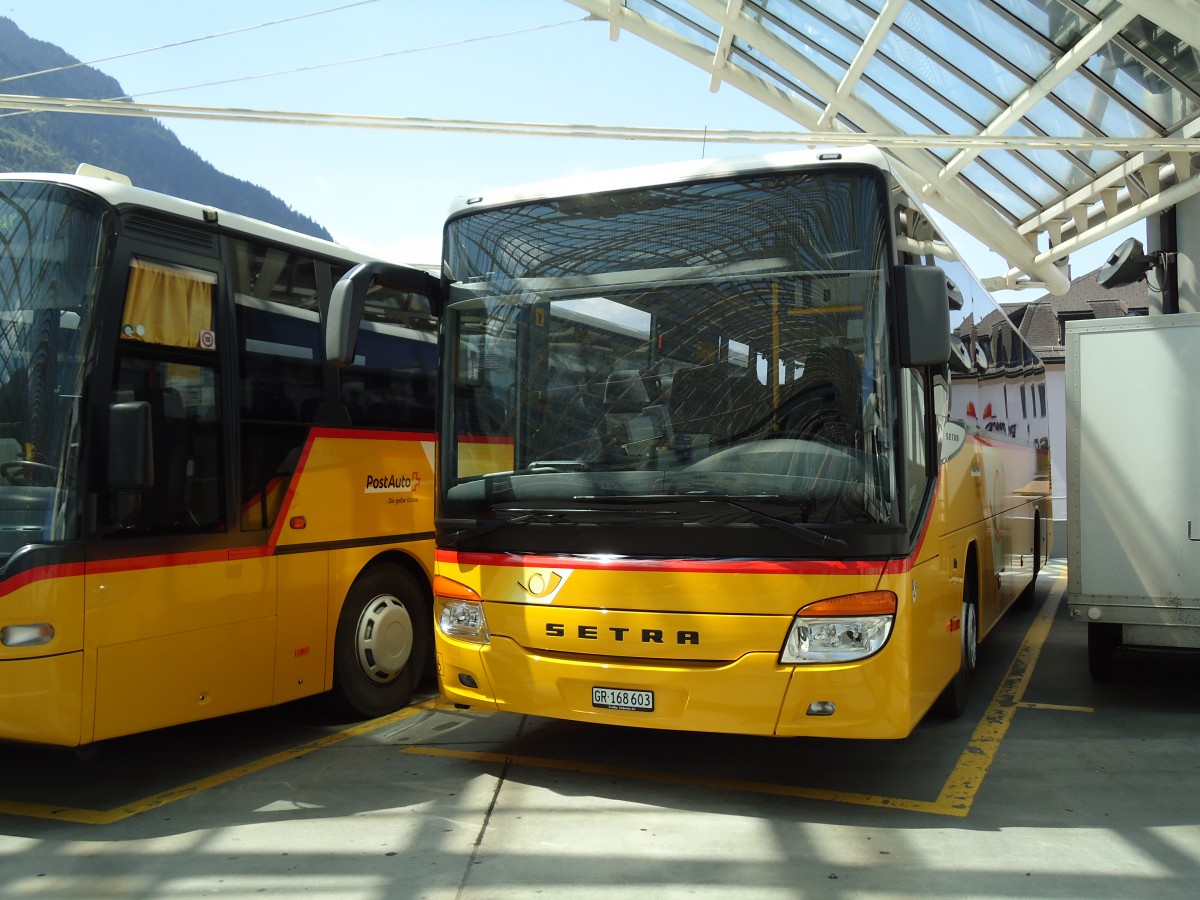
(382, 643)
(952, 702)
(1025, 598)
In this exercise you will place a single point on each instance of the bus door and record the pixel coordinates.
(179, 606)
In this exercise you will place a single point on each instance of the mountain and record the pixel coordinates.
(148, 153)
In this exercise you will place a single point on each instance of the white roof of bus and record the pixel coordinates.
(123, 195)
(668, 173)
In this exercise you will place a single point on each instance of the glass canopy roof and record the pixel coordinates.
(1039, 126)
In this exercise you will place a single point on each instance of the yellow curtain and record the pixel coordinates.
(169, 305)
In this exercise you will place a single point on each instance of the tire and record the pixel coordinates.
(1104, 639)
(1025, 600)
(952, 702)
(382, 643)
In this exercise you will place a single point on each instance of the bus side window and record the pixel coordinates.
(277, 315)
(916, 441)
(167, 357)
(392, 381)
(187, 493)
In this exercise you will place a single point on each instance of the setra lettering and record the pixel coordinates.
(621, 634)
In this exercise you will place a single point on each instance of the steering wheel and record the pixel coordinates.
(816, 414)
(26, 472)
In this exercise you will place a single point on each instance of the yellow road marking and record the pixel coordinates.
(960, 789)
(955, 798)
(107, 817)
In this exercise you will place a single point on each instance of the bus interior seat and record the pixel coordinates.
(164, 506)
(630, 424)
(824, 399)
(625, 392)
(700, 401)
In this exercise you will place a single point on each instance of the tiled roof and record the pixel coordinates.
(1039, 320)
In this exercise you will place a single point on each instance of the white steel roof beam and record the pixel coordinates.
(1177, 193)
(870, 44)
(721, 55)
(1116, 177)
(1079, 54)
(952, 199)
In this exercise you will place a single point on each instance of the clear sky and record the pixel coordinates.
(387, 191)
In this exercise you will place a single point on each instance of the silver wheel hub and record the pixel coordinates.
(383, 640)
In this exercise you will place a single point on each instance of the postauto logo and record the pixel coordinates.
(392, 483)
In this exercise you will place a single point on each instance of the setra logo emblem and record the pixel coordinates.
(542, 585)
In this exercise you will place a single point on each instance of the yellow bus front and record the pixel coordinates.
(747, 648)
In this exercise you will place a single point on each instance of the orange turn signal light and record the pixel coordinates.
(453, 590)
(865, 603)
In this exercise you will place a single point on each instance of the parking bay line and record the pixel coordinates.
(191, 789)
(955, 798)
(957, 794)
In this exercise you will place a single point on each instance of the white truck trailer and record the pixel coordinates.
(1133, 483)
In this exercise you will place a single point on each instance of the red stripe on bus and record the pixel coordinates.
(702, 566)
(158, 561)
(40, 573)
(282, 515)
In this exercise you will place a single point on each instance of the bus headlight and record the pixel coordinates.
(840, 629)
(458, 611)
(463, 619)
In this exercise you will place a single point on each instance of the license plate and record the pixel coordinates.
(619, 698)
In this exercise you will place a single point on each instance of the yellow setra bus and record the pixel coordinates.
(198, 513)
(730, 446)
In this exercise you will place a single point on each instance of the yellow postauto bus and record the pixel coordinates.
(198, 514)
(730, 446)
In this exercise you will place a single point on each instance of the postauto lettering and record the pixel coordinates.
(392, 482)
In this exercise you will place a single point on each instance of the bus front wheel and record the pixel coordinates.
(382, 643)
(952, 702)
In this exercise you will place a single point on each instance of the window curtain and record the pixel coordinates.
(169, 305)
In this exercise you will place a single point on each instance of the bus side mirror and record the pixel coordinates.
(130, 447)
(923, 315)
(349, 298)
(345, 315)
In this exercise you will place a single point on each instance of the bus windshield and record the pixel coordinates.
(53, 241)
(713, 353)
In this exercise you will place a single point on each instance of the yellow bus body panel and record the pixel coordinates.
(41, 686)
(176, 641)
(604, 626)
(360, 485)
(302, 640)
(154, 683)
(41, 699)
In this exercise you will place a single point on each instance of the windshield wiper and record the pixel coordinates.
(737, 501)
(474, 528)
(813, 535)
